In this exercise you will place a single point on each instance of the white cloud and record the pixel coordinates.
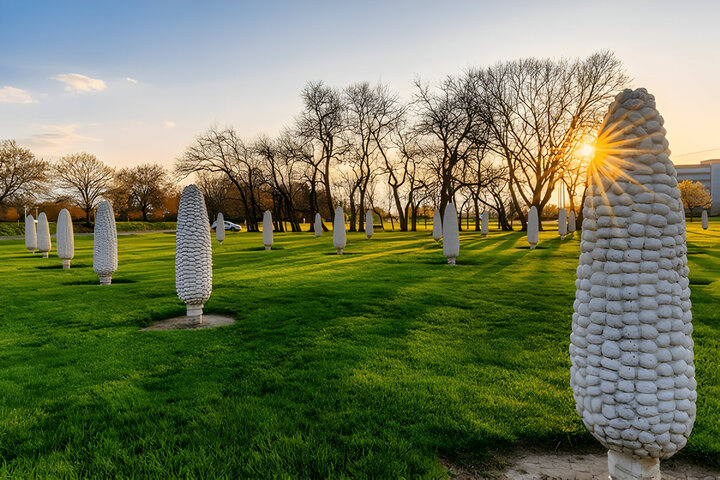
(131, 80)
(55, 137)
(169, 124)
(14, 95)
(80, 83)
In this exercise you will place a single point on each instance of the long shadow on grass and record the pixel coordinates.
(59, 266)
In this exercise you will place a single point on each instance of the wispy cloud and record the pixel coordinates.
(53, 137)
(131, 80)
(169, 124)
(80, 83)
(14, 95)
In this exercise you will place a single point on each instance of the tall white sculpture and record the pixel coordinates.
(44, 244)
(450, 235)
(193, 252)
(30, 234)
(485, 225)
(339, 238)
(65, 238)
(318, 225)
(105, 256)
(533, 228)
(562, 223)
(631, 348)
(572, 222)
(704, 220)
(369, 224)
(437, 226)
(220, 228)
(267, 230)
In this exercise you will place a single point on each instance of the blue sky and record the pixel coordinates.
(135, 81)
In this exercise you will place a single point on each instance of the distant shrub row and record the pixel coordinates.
(12, 228)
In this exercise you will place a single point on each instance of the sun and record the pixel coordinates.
(586, 150)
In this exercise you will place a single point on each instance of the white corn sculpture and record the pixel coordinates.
(437, 226)
(193, 252)
(533, 228)
(572, 222)
(631, 348)
(451, 235)
(105, 256)
(267, 230)
(65, 238)
(30, 234)
(220, 228)
(339, 238)
(318, 225)
(44, 243)
(369, 224)
(485, 226)
(704, 220)
(562, 223)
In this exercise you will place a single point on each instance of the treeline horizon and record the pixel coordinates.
(501, 138)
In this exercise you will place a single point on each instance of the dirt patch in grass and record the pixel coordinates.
(531, 464)
(190, 323)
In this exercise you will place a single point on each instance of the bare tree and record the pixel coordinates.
(450, 116)
(373, 113)
(538, 111)
(283, 165)
(215, 188)
(21, 174)
(321, 123)
(85, 178)
(223, 151)
(145, 186)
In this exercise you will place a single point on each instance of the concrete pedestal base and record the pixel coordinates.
(451, 260)
(66, 263)
(268, 247)
(31, 250)
(624, 467)
(339, 251)
(532, 246)
(195, 312)
(562, 237)
(105, 280)
(45, 254)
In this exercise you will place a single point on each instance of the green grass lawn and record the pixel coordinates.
(373, 364)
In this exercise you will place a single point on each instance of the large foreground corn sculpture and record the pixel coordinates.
(631, 348)
(193, 252)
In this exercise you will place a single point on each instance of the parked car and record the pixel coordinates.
(233, 227)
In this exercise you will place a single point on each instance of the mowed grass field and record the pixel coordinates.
(374, 364)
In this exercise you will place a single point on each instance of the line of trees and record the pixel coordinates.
(81, 181)
(500, 138)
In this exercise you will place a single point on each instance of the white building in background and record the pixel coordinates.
(706, 172)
